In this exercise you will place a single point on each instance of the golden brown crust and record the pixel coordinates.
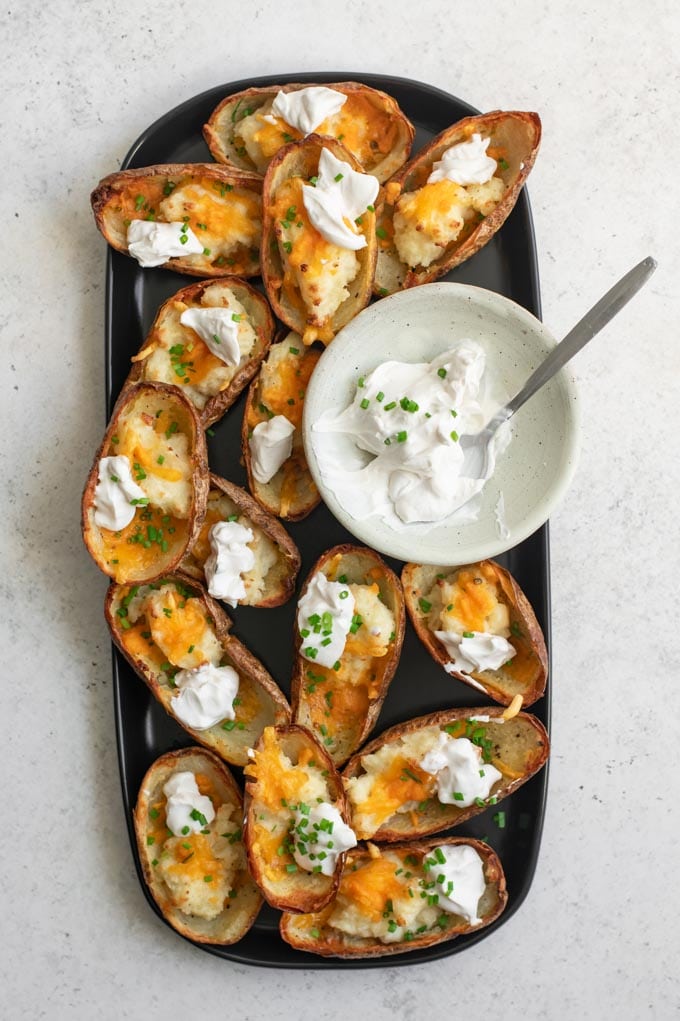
(291, 493)
(519, 748)
(301, 160)
(346, 717)
(260, 317)
(219, 131)
(139, 399)
(281, 578)
(111, 205)
(285, 885)
(262, 703)
(519, 135)
(313, 933)
(240, 910)
(527, 672)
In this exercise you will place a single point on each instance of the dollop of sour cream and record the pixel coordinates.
(306, 109)
(321, 835)
(338, 198)
(324, 618)
(114, 493)
(152, 244)
(230, 558)
(218, 328)
(465, 163)
(408, 418)
(185, 805)
(270, 445)
(475, 651)
(461, 775)
(206, 696)
(460, 880)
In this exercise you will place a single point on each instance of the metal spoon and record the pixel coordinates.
(476, 445)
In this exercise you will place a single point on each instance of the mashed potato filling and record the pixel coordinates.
(176, 624)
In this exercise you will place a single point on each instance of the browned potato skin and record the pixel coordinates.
(355, 562)
(532, 738)
(284, 574)
(521, 131)
(232, 746)
(217, 131)
(268, 494)
(301, 159)
(333, 943)
(238, 915)
(497, 684)
(92, 534)
(298, 891)
(111, 224)
(261, 320)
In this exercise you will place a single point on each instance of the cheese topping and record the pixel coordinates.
(114, 494)
(325, 616)
(460, 880)
(462, 777)
(187, 810)
(152, 244)
(206, 696)
(338, 198)
(465, 163)
(306, 109)
(321, 834)
(271, 444)
(230, 559)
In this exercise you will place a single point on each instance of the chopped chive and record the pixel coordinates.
(365, 403)
(402, 436)
(454, 436)
(441, 373)
(425, 606)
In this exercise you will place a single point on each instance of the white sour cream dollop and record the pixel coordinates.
(321, 835)
(114, 493)
(481, 651)
(206, 696)
(461, 775)
(230, 558)
(462, 884)
(465, 163)
(408, 419)
(185, 804)
(306, 109)
(324, 618)
(270, 445)
(152, 244)
(339, 197)
(218, 329)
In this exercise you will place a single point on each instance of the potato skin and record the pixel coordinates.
(282, 584)
(240, 913)
(297, 929)
(523, 735)
(109, 220)
(499, 684)
(232, 745)
(298, 891)
(218, 132)
(261, 319)
(521, 131)
(301, 159)
(143, 393)
(355, 562)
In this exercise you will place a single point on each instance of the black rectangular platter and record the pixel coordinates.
(507, 265)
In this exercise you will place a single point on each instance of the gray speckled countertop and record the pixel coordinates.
(597, 934)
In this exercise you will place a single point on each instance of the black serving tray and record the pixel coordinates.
(144, 731)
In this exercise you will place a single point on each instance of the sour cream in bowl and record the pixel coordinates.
(390, 398)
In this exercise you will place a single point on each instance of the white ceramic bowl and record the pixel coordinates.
(532, 474)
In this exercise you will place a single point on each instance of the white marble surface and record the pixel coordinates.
(598, 934)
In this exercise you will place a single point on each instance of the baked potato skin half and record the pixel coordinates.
(381, 156)
(300, 160)
(518, 747)
(244, 900)
(261, 703)
(225, 202)
(343, 706)
(279, 389)
(267, 819)
(279, 583)
(527, 673)
(168, 333)
(123, 555)
(316, 934)
(515, 136)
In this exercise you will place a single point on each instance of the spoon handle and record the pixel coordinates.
(585, 329)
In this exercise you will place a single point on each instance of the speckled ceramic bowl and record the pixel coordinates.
(536, 468)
